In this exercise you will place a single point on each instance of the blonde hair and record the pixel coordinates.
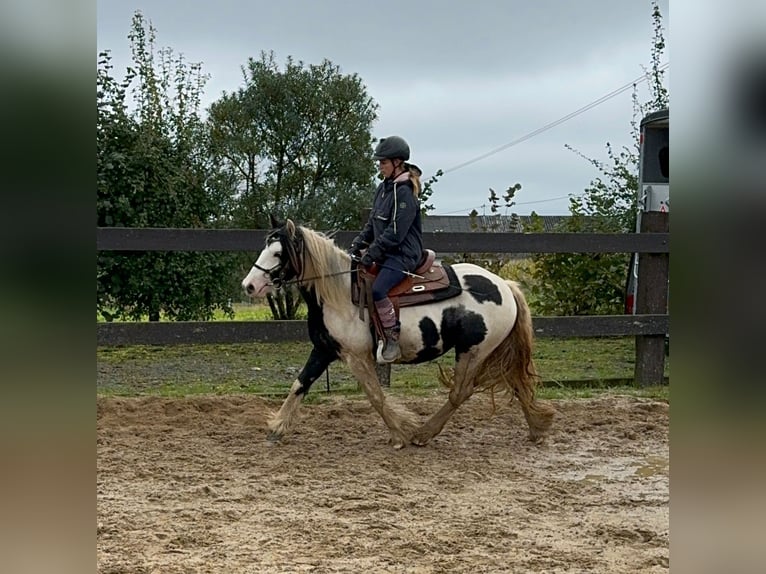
(415, 179)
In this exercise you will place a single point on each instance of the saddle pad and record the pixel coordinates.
(439, 283)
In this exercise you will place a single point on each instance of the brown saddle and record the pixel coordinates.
(429, 282)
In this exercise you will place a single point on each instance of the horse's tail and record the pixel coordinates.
(511, 365)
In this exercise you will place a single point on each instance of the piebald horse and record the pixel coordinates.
(488, 324)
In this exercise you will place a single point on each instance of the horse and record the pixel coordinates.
(488, 324)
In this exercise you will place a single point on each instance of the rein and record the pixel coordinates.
(298, 281)
(278, 271)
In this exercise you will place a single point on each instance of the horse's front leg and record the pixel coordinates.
(400, 422)
(283, 420)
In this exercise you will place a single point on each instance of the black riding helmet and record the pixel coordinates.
(392, 147)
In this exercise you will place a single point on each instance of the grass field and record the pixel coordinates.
(242, 312)
(568, 367)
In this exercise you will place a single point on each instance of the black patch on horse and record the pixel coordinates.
(482, 289)
(430, 334)
(462, 329)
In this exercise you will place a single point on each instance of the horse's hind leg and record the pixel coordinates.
(400, 422)
(539, 416)
(462, 388)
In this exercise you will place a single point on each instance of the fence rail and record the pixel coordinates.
(649, 327)
(231, 332)
(155, 239)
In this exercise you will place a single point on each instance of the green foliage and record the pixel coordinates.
(522, 271)
(295, 142)
(508, 196)
(427, 192)
(152, 171)
(249, 311)
(578, 283)
(593, 284)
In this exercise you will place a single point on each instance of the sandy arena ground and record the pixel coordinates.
(192, 486)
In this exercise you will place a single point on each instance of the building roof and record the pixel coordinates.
(512, 223)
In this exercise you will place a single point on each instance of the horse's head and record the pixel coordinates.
(280, 261)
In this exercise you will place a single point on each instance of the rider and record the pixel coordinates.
(392, 234)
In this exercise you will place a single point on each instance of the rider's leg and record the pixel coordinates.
(388, 277)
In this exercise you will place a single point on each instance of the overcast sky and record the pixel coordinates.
(457, 80)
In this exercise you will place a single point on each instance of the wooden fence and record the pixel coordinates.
(649, 325)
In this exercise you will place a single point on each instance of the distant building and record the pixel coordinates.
(487, 223)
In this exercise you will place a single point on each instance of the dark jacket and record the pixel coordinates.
(394, 228)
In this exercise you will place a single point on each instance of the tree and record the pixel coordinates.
(592, 284)
(152, 171)
(295, 142)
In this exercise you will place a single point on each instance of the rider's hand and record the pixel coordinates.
(367, 260)
(355, 253)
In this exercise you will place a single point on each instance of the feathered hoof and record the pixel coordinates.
(398, 441)
(420, 439)
(537, 438)
(274, 436)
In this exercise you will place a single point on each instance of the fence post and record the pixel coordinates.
(652, 298)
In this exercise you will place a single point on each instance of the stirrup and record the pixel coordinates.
(388, 352)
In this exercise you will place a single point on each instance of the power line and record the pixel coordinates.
(547, 200)
(468, 209)
(553, 124)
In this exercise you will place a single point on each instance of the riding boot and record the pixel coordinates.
(388, 320)
(391, 351)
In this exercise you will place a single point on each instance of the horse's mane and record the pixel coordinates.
(325, 267)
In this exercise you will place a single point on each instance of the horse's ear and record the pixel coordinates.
(290, 227)
(275, 223)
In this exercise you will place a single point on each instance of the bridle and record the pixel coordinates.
(290, 262)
